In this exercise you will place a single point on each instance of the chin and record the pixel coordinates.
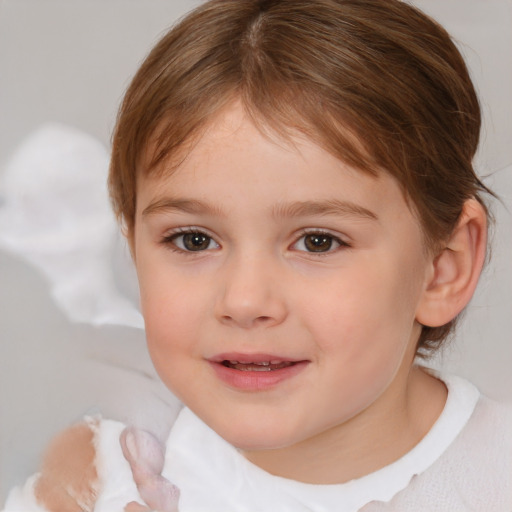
(257, 437)
(256, 444)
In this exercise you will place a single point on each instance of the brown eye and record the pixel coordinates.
(196, 241)
(193, 241)
(318, 243)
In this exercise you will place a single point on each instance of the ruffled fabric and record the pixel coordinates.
(463, 464)
(211, 473)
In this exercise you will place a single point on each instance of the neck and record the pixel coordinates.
(372, 439)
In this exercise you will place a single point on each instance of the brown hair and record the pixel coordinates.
(375, 82)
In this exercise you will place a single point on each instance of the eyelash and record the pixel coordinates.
(322, 233)
(170, 240)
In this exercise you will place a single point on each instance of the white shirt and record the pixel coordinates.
(463, 464)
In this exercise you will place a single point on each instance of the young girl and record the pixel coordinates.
(295, 181)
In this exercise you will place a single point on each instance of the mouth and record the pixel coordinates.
(256, 372)
(262, 366)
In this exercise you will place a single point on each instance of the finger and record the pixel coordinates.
(143, 449)
(133, 506)
(160, 494)
(145, 455)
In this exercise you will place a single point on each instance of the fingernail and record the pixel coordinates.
(160, 494)
(130, 442)
(144, 449)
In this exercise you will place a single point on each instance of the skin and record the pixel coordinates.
(69, 480)
(348, 312)
(352, 312)
(69, 483)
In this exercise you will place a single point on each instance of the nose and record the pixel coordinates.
(251, 294)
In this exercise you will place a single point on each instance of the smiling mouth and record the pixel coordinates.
(263, 366)
(256, 372)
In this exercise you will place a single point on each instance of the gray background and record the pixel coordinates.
(69, 61)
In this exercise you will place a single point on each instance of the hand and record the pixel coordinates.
(146, 457)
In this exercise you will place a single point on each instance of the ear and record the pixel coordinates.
(455, 270)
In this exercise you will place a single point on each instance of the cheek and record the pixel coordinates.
(172, 313)
(170, 334)
(367, 314)
(168, 297)
(172, 319)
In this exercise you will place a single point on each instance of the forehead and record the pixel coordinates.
(235, 158)
(174, 137)
(220, 137)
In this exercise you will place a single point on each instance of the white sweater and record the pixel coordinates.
(463, 464)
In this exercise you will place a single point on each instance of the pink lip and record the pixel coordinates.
(250, 358)
(255, 380)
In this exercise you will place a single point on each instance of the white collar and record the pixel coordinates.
(195, 452)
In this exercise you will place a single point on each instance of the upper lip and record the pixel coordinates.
(245, 358)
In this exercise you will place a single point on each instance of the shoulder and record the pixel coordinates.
(474, 472)
(69, 478)
(72, 474)
(491, 423)
(478, 466)
(487, 433)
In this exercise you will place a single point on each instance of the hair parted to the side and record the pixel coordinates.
(375, 82)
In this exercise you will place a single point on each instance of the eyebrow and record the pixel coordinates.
(192, 206)
(333, 207)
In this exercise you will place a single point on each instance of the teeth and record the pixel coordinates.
(261, 366)
(262, 363)
(252, 369)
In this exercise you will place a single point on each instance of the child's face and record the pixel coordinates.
(254, 251)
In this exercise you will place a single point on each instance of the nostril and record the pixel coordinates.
(247, 322)
(248, 312)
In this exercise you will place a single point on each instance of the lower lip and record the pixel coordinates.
(256, 380)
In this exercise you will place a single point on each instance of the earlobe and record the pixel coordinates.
(456, 269)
